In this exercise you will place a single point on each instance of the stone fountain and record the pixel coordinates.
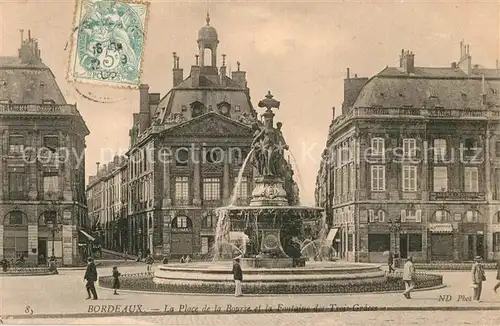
(273, 223)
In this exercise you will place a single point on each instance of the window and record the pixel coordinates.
(16, 185)
(181, 222)
(211, 188)
(353, 177)
(183, 108)
(378, 178)
(378, 146)
(409, 178)
(242, 190)
(49, 217)
(472, 216)
(414, 242)
(440, 178)
(50, 185)
(16, 143)
(441, 216)
(210, 221)
(471, 148)
(379, 242)
(345, 180)
(181, 190)
(409, 147)
(496, 241)
(51, 142)
(439, 149)
(381, 216)
(497, 149)
(214, 156)
(371, 215)
(497, 217)
(181, 157)
(16, 218)
(471, 181)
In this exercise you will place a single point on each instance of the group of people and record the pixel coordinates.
(477, 271)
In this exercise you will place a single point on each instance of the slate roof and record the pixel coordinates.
(27, 83)
(447, 87)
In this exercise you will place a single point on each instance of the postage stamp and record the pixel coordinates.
(108, 42)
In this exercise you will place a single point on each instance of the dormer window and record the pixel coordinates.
(237, 108)
(224, 108)
(183, 108)
(197, 109)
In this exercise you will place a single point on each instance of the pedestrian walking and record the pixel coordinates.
(238, 277)
(116, 280)
(498, 277)
(165, 260)
(478, 277)
(149, 263)
(126, 255)
(390, 262)
(188, 259)
(183, 259)
(408, 277)
(91, 278)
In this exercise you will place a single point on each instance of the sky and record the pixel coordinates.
(298, 50)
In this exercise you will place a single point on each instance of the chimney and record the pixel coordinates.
(352, 88)
(407, 61)
(348, 74)
(29, 52)
(178, 73)
(195, 76)
(223, 71)
(144, 115)
(453, 65)
(239, 76)
(465, 62)
(333, 110)
(483, 89)
(97, 167)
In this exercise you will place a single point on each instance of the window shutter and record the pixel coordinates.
(418, 216)
(371, 217)
(403, 215)
(381, 216)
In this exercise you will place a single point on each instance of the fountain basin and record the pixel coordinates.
(266, 262)
(270, 280)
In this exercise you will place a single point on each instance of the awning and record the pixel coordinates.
(440, 228)
(237, 236)
(91, 238)
(331, 235)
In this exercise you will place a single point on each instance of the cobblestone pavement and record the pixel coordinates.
(65, 294)
(478, 318)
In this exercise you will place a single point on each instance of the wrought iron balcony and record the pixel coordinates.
(457, 195)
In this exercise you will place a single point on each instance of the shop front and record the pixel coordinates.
(441, 239)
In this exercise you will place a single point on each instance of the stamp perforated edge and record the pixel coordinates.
(72, 47)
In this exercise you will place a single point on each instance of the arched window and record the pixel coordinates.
(441, 216)
(472, 216)
(497, 217)
(182, 222)
(47, 217)
(207, 57)
(197, 109)
(15, 218)
(209, 222)
(181, 156)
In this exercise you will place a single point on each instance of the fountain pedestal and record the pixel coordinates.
(271, 253)
(268, 191)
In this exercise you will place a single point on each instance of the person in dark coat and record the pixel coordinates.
(498, 277)
(116, 280)
(91, 278)
(238, 277)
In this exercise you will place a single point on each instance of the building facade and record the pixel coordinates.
(42, 145)
(186, 151)
(412, 164)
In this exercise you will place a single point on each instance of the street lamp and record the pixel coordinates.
(395, 227)
(53, 227)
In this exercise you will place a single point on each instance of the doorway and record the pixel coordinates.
(42, 251)
(403, 245)
(470, 247)
(480, 245)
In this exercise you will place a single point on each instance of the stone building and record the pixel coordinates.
(42, 144)
(107, 204)
(412, 164)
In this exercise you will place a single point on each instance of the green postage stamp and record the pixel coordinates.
(108, 42)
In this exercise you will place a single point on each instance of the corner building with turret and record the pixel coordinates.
(186, 150)
(412, 164)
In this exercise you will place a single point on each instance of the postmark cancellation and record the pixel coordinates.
(108, 42)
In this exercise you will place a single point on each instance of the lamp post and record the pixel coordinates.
(53, 227)
(395, 227)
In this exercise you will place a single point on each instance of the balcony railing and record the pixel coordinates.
(38, 108)
(457, 195)
(437, 113)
